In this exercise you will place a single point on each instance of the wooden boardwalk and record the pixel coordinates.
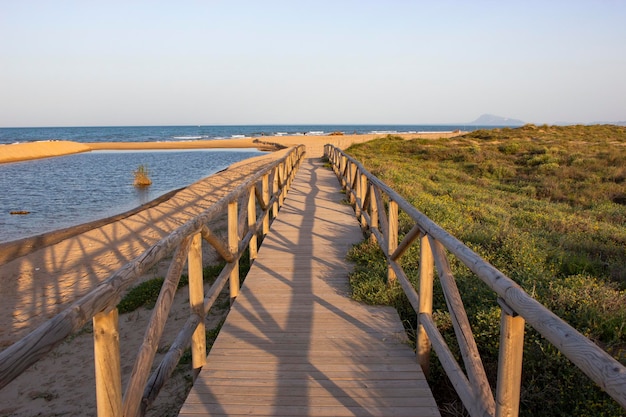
(294, 342)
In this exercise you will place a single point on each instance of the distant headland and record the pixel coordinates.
(492, 120)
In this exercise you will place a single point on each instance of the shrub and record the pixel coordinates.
(142, 176)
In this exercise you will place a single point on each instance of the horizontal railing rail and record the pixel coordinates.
(248, 208)
(376, 207)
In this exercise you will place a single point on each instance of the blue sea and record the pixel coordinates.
(70, 190)
(190, 133)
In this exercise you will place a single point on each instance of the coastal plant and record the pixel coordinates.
(539, 203)
(146, 293)
(142, 176)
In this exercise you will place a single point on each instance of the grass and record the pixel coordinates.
(146, 293)
(547, 206)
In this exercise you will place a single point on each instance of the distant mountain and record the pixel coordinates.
(622, 123)
(491, 120)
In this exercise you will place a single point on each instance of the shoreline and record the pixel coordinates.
(19, 152)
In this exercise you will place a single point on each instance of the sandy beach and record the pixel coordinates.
(52, 271)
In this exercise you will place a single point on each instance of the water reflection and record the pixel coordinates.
(142, 195)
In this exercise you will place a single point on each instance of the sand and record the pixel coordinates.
(35, 150)
(47, 273)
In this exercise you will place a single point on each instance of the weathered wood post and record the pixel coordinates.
(509, 362)
(233, 246)
(285, 175)
(274, 191)
(252, 222)
(426, 277)
(364, 189)
(106, 347)
(293, 160)
(358, 199)
(392, 238)
(281, 184)
(373, 212)
(351, 183)
(265, 192)
(196, 301)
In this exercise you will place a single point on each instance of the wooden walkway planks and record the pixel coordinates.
(294, 342)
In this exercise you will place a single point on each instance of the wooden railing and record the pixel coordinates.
(261, 195)
(376, 207)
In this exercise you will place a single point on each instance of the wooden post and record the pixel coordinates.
(373, 212)
(291, 170)
(426, 275)
(265, 192)
(275, 190)
(233, 245)
(106, 348)
(358, 199)
(509, 362)
(251, 223)
(363, 188)
(342, 169)
(196, 301)
(281, 184)
(351, 183)
(392, 239)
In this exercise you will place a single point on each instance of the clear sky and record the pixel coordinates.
(78, 63)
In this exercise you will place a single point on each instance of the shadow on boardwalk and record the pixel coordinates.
(294, 342)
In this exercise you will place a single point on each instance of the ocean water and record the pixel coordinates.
(74, 189)
(178, 133)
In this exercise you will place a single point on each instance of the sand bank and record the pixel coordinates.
(314, 144)
(35, 150)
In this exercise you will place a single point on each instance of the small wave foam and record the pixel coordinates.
(189, 137)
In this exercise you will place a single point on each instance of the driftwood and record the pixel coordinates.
(474, 391)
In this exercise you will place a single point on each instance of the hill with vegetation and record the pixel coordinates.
(547, 206)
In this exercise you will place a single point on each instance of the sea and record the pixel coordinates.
(70, 190)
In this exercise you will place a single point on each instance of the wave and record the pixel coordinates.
(189, 137)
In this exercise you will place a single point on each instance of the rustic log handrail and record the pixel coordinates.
(248, 207)
(369, 195)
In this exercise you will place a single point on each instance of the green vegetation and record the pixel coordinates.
(142, 176)
(547, 206)
(146, 293)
